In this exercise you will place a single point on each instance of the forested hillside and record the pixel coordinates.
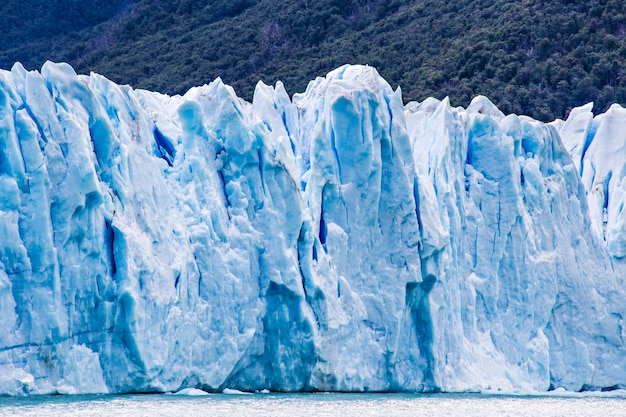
(530, 57)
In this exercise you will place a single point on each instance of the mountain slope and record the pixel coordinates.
(530, 57)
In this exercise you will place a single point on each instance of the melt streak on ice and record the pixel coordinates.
(338, 240)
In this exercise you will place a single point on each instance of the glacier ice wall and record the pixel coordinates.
(338, 240)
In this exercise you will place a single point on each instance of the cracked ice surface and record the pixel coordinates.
(338, 240)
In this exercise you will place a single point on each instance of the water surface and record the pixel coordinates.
(349, 405)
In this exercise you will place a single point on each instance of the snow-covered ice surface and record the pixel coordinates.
(338, 240)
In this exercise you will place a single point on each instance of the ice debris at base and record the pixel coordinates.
(229, 391)
(336, 241)
(192, 392)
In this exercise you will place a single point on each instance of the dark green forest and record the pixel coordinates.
(539, 58)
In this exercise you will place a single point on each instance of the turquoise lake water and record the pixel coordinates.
(357, 405)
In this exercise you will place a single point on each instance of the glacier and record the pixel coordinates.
(338, 240)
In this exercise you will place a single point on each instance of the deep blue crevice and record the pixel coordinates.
(312, 300)
(607, 181)
(261, 171)
(390, 112)
(417, 301)
(416, 198)
(333, 147)
(323, 231)
(36, 121)
(166, 149)
(470, 151)
(200, 277)
(301, 240)
(591, 133)
(5, 165)
(109, 239)
(223, 184)
(284, 119)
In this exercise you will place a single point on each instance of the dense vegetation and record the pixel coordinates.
(529, 56)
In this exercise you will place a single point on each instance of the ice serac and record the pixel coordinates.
(599, 144)
(359, 252)
(527, 295)
(338, 240)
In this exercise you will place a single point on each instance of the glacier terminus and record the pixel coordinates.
(338, 240)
